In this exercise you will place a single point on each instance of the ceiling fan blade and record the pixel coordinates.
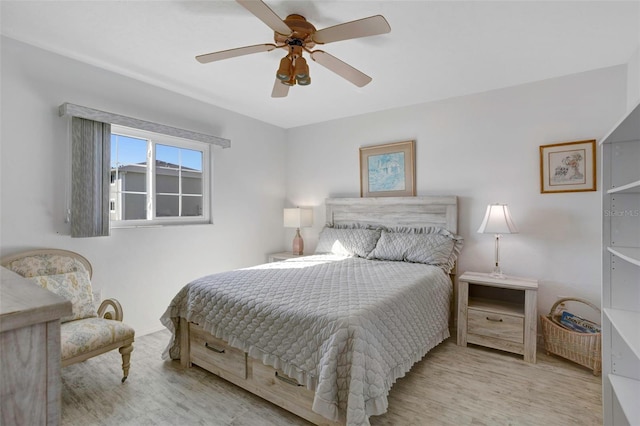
(266, 15)
(343, 69)
(365, 27)
(279, 90)
(232, 53)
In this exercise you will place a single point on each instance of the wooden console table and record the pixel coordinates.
(30, 348)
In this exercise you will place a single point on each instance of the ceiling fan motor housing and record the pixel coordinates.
(302, 32)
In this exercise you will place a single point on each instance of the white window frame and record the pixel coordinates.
(157, 138)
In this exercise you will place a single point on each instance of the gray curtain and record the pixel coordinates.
(90, 177)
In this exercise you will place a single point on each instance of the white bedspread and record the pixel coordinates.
(345, 327)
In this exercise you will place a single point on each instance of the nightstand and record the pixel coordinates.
(498, 313)
(283, 255)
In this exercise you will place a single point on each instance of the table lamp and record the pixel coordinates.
(298, 218)
(497, 221)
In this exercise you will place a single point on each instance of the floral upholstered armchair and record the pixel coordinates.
(87, 332)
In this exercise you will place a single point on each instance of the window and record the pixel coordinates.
(157, 179)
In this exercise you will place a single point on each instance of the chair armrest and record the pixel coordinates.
(116, 314)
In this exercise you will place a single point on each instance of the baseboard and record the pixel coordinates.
(152, 330)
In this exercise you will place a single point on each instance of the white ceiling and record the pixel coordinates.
(435, 50)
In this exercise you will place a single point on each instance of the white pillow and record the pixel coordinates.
(347, 241)
(431, 246)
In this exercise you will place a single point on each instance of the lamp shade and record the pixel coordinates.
(298, 217)
(497, 220)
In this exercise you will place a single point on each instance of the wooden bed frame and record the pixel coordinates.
(216, 356)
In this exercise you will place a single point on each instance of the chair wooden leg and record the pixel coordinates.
(125, 351)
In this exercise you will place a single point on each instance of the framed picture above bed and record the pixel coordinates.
(568, 167)
(388, 170)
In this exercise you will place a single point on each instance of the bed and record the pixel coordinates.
(326, 336)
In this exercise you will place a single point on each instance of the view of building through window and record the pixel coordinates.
(170, 185)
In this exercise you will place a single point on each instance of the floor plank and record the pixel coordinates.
(452, 385)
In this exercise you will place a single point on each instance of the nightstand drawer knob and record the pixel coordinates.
(494, 319)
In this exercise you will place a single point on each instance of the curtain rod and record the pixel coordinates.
(108, 117)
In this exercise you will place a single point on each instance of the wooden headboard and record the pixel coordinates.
(441, 211)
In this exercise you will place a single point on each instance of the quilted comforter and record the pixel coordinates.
(345, 327)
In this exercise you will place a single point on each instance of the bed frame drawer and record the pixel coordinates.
(497, 325)
(287, 390)
(215, 355)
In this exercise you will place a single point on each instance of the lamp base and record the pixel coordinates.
(497, 273)
(298, 244)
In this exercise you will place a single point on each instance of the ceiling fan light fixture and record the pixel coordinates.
(289, 81)
(301, 69)
(304, 81)
(284, 71)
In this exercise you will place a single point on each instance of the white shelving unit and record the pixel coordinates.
(621, 272)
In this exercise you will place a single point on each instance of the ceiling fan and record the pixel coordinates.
(296, 35)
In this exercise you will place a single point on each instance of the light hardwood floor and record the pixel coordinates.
(452, 385)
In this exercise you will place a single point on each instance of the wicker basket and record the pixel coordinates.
(581, 348)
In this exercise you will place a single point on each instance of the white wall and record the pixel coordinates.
(153, 264)
(484, 149)
(633, 79)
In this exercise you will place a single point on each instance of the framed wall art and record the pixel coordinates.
(388, 170)
(568, 167)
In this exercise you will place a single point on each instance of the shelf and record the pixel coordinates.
(630, 254)
(630, 188)
(627, 391)
(497, 306)
(620, 150)
(626, 323)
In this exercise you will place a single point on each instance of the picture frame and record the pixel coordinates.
(568, 167)
(388, 170)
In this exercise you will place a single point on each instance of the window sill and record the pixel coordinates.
(159, 224)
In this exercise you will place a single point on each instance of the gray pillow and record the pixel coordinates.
(431, 246)
(347, 241)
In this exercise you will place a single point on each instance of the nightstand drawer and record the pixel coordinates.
(498, 325)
